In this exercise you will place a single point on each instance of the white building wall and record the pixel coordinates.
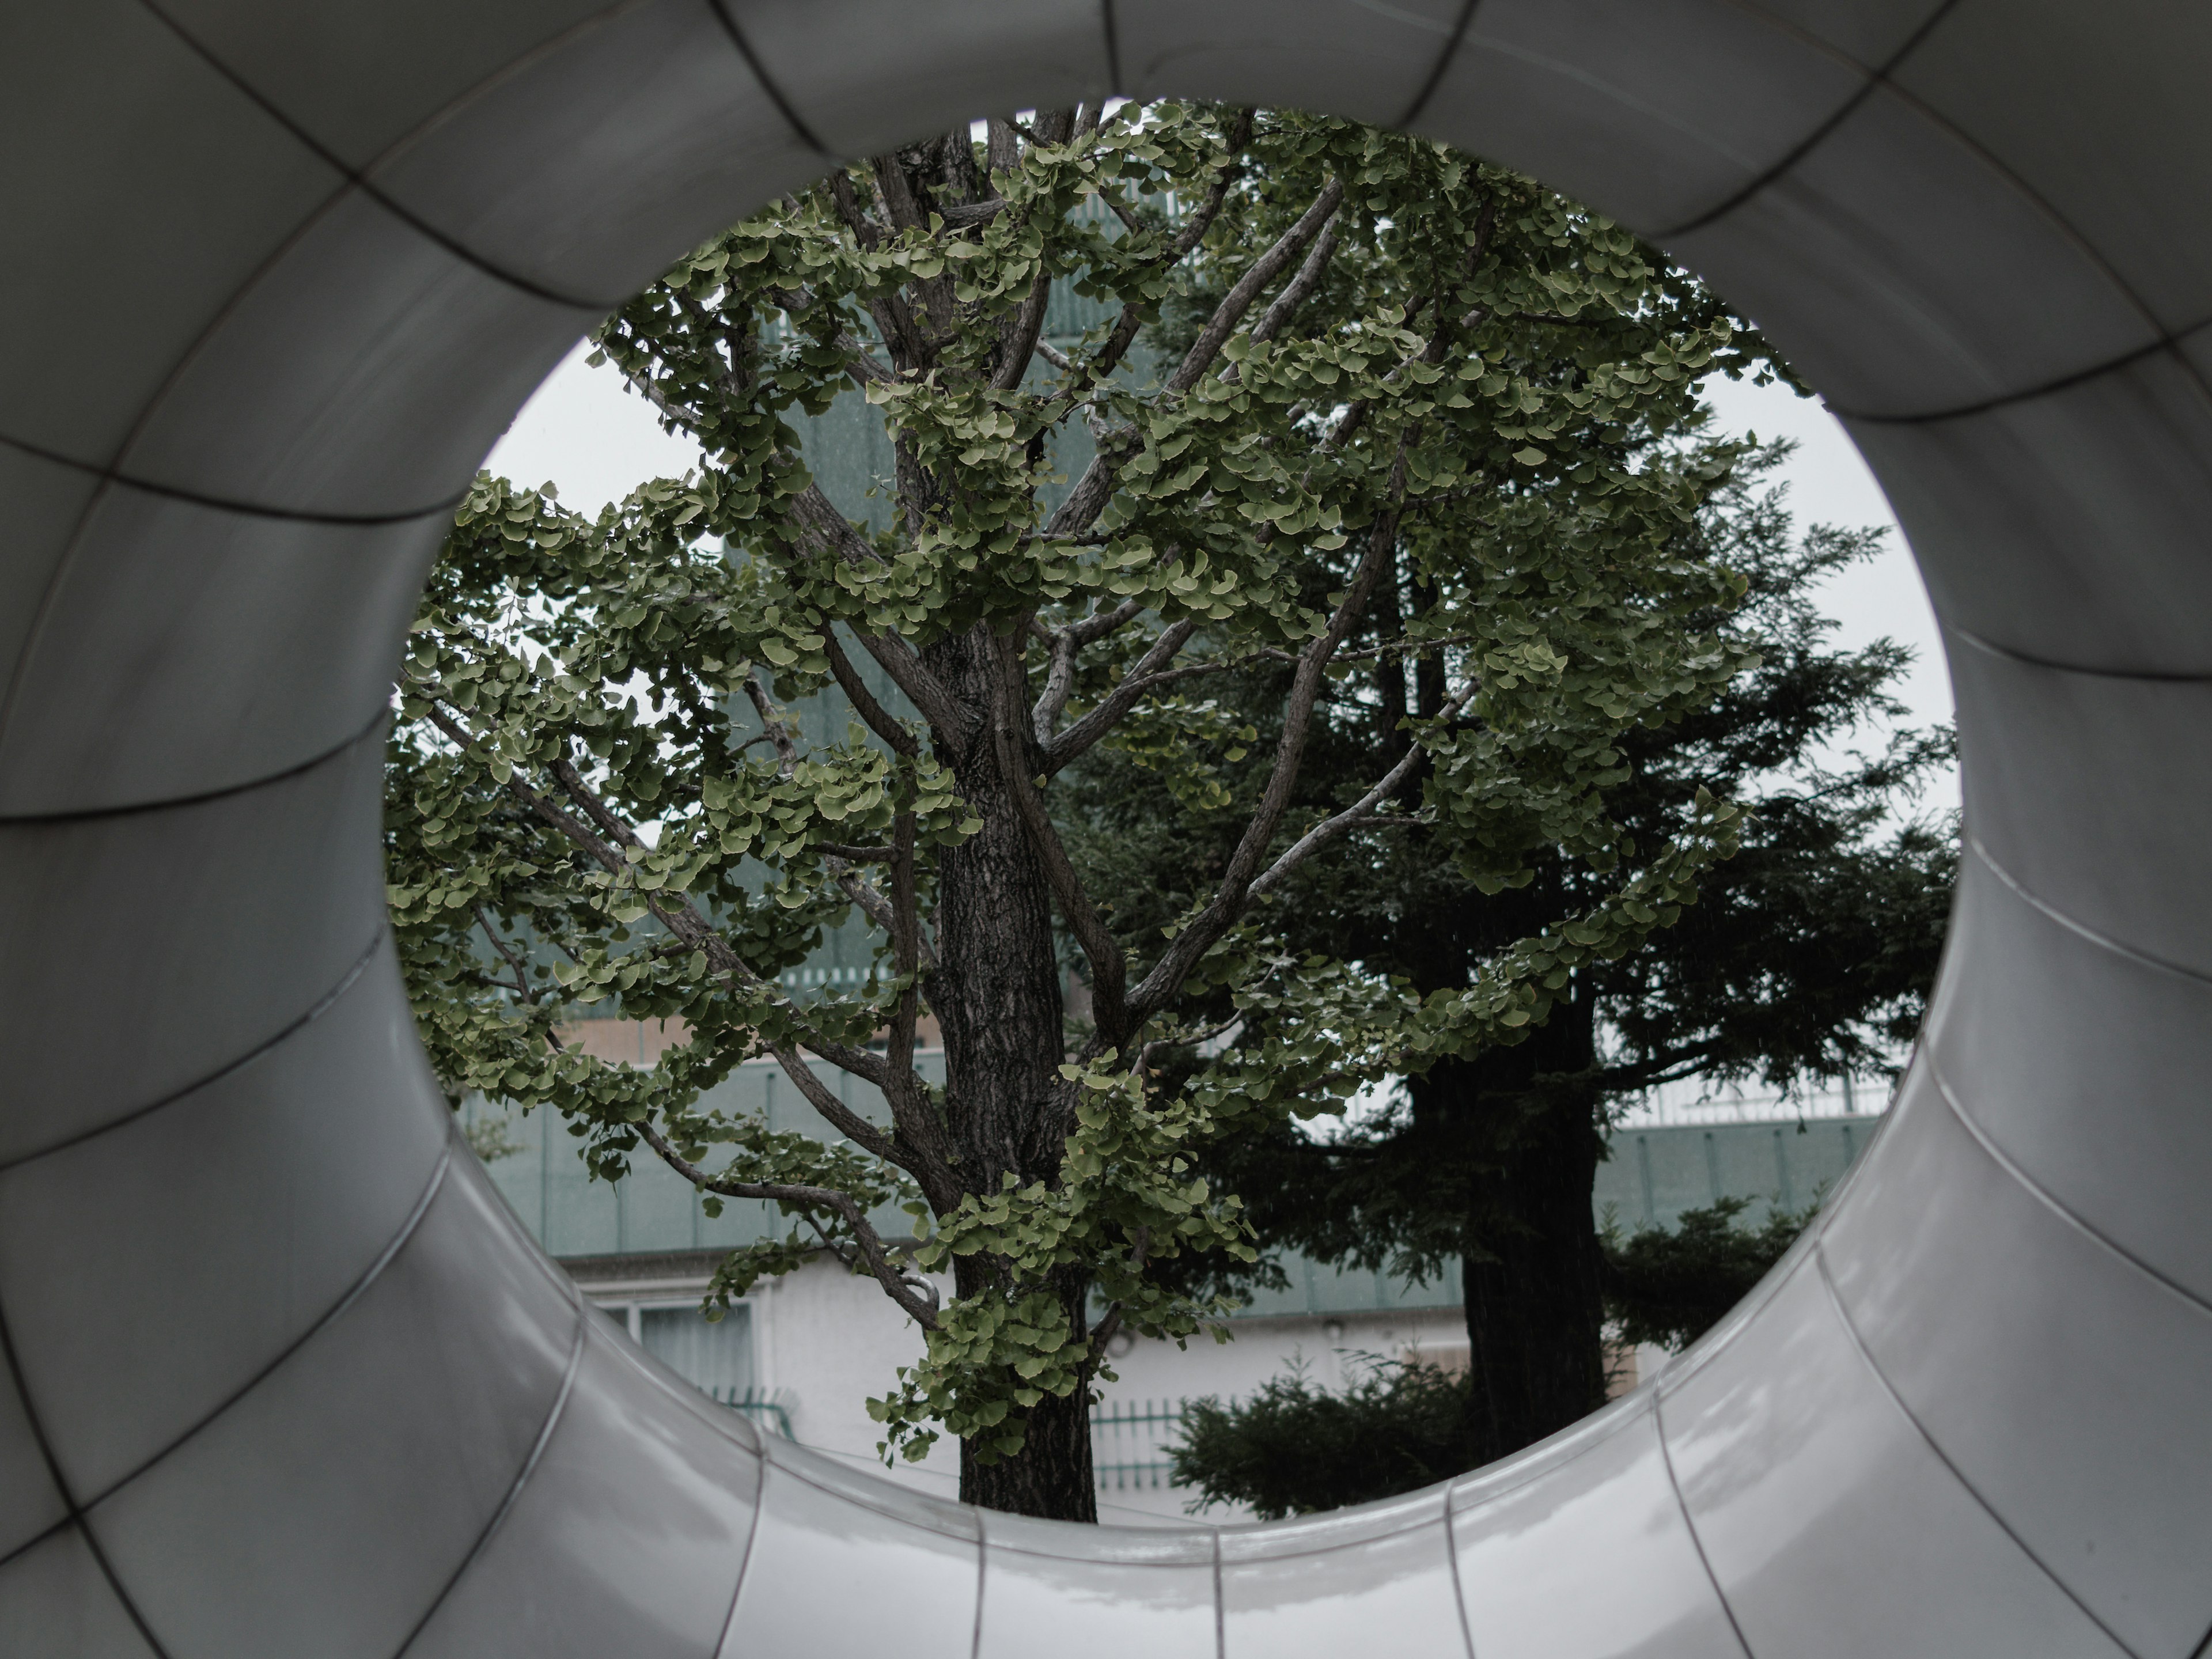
(825, 1342)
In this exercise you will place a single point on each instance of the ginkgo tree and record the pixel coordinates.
(1406, 384)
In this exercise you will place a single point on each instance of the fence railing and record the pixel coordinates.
(1692, 1103)
(769, 1408)
(1129, 1443)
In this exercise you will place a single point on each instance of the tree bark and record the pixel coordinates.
(1052, 1478)
(1532, 1273)
(1535, 1313)
(997, 995)
(996, 989)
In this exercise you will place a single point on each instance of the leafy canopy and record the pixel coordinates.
(1336, 363)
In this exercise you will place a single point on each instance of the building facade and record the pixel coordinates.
(802, 1353)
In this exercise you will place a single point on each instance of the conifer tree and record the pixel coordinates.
(1808, 955)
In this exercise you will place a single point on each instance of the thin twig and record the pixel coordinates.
(1356, 814)
(901, 1289)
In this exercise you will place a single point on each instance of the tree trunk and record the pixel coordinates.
(1535, 1312)
(997, 998)
(1527, 1136)
(1053, 1476)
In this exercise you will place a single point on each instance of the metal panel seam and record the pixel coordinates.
(745, 1558)
(298, 768)
(357, 178)
(1451, 1560)
(337, 1309)
(1690, 1524)
(1858, 1344)
(2104, 941)
(2166, 343)
(1997, 1156)
(329, 1000)
(521, 1478)
(1110, 28)
(983, 1561)
(1437, 70)
(76, 1516)
(784, 106)
(224, 503)
(36, 1539)
(2006, 653)
(1875, 79)
(1220, 1608)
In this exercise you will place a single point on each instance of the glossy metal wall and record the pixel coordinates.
(282, 1379)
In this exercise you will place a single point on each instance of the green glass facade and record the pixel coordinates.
(1652, 1176)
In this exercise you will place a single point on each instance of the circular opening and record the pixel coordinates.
(355, 1380)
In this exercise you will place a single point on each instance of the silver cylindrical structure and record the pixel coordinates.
(283, 1379)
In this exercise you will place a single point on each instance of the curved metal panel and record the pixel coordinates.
(1957, 1419)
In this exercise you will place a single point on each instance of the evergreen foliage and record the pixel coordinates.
(1667, 1287)
(1808, 955)
(1296, 1448)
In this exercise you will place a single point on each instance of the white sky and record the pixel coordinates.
(585, 432)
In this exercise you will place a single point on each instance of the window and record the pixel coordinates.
(716, 1358)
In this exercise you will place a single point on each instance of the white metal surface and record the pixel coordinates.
(273, 276)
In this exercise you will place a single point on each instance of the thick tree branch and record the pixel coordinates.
(1058, 685)
(1109, 967)
(1686, 1060)
(684, 922)
(1440, 337)
(683, 919)
(1355, 815)
(1224, 179)
(898, 916)
(873, 904)
(917, 1161)
(818, 522)
(1118, 701)
(1100, 624)
(521, 978)
(1103, 362)
(864, 229)
(1018, 334)
(970, 215)
(1111, 1321)
(861, 363)
(873, 715)
(1002, 145)
(1087, 499)
(854, 854)
(1233, 895)
(1294, 294)
(906, 951)
(937, 318)
(888, 310)
(1240, 298)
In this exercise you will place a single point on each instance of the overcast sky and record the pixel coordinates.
(584, 432)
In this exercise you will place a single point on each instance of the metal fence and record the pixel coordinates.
(771, 1409)
(1129, 1443)
(1694, 1102)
